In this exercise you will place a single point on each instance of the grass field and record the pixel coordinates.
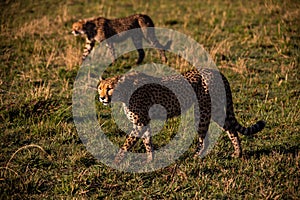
(256, 44)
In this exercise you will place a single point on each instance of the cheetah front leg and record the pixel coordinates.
(89, 45)
(130, 141)
(148, 144)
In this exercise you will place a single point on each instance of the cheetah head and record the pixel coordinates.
(121, 86)
(106, 88)
(77, 28)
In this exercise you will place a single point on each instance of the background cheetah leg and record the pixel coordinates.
(161, 51)
(163, 56)
(141, 57)
(151, 38)
(89, 45)
(138, 43)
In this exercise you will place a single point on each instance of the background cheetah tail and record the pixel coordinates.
(252, 129)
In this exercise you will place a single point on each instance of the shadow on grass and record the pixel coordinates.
(36, 109)
(281, 149)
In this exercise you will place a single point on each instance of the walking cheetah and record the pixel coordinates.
(136, 106)
(99, 29)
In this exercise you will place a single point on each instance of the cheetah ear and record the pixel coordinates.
(121, 78)
(115, 79)
(100, 79)
(118, 77)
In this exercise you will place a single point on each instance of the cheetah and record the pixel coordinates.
(100, 28)
(136, 107)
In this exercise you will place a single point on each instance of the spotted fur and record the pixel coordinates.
(99, 29)
(204, 84)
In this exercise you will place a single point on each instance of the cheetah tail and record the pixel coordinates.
(252, 129)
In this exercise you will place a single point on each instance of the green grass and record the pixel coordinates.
(254, 43)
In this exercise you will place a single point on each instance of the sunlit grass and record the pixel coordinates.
(255, 44)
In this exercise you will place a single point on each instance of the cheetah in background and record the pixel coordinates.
(99, 29)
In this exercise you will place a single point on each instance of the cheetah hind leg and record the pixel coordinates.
(202, 129)
(130, 141)
(151, 39)
(162, 52)
(234, 137)
(138, 43)
(202, 144)
(141, 53)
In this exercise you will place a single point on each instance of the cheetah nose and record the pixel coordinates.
(101, 98)
(75, 33)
